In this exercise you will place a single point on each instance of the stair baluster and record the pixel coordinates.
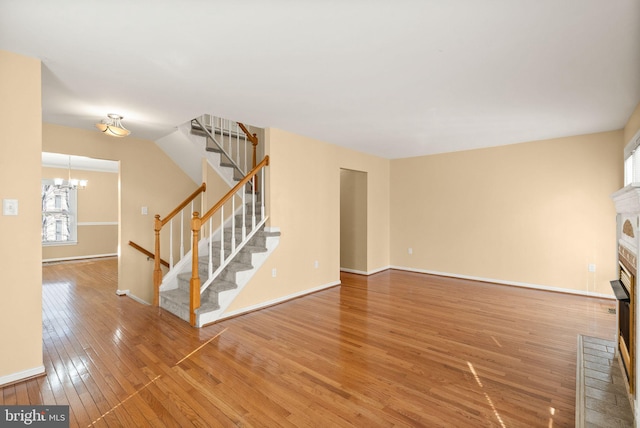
(210, 265)
(158, 225)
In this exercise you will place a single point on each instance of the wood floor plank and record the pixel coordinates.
(392, 349)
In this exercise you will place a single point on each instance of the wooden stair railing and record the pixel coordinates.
(148, 253)
(231, 146)
(196, 225)
(158, 225)
(254, 143)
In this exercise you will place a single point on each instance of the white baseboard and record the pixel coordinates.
(360, 272)
(512, 283)
(122, 292)
(25, 374)
(276, 301)
(357, 272)
(93, 256)
(378, 270)
(134, 297)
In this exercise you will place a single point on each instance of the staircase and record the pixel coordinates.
(227, 284)
(240, 244)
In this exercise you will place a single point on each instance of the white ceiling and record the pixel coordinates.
(394, 79)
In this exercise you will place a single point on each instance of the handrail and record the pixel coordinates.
(254, 143)
(148, 253)
(252, 137)
(227, 155)
(232, 192)
(158, 224)
(196, 225)
(191, 197)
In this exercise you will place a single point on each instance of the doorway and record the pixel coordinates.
(353, 221)
(91, 223)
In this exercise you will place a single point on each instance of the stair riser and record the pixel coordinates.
(175, 308)
(258, 240)
(227, 274)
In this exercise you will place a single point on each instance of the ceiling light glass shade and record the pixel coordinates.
(70, 183)
(113, 126)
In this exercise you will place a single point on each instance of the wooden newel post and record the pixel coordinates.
(194, 284)
(254, 143)
(157, 271)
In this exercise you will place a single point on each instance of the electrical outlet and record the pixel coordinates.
(145, 211)
(410, 250)
(9, 207)
(592, 267)
(316, 264)
(274, 272)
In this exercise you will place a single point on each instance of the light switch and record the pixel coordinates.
(9, 207)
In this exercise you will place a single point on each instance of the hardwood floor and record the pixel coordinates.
(392, 349)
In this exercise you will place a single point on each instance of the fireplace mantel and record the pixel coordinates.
(627, 199)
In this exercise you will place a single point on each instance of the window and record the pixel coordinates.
(632, 161)
(59, 214)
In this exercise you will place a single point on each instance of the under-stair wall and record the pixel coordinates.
(304, 197)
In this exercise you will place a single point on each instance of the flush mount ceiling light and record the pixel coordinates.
(113, 126)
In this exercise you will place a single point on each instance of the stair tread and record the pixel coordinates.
(207, 307)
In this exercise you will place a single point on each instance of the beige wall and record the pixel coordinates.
(353, 220)
(535, 213)
(98, 203)
(304, 198)
(147, 178)
(20, 256)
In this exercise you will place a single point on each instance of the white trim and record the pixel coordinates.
(79, 163)
(226, 297)
(93, 256)
(378, 270)
(59, 243)
(512, 283)
(277, 300)
(97, 223)
(271, 229)
(25, 374)
(360, 272)
(357, 272)
(134, 297)
(632, 144)
(122, 292)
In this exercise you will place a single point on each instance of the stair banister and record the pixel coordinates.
(229, 195)
(227, 155)
(158, 224)
(254, 143)
(147, 253)
(194, 283)
(196, 225)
